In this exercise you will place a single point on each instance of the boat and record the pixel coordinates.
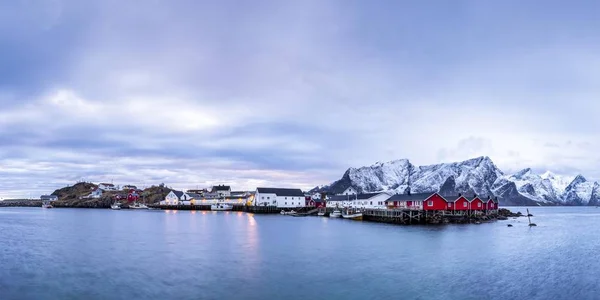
(321, 214)
(115, 206)
(335, 214)
(221, 207)
(137, 205)
(291, 212)
(46, 205)
(352, 215)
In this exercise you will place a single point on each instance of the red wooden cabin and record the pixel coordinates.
(458, 202)
(316, 203)
(435, 202)
(477, 204)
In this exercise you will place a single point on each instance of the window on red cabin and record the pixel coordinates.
(430, 202)
(449, 205)
(464, 204)
(479, 204)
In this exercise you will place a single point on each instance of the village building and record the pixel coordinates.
(128, 187)
(369, 200)
(239, 199)
(49, 198)
(348, 191)
(407, 201)
(280, 197)
(314, 202)
(477, 204)
(222, 190)
(107, 187)
(457, 203)
(172, 198)
(339, 201)
(434, 202)
(95, 194)
(197, 191)
(494, 204)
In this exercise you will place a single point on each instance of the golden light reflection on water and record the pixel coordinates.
(251, 220)
(251, 247)
(193, 212)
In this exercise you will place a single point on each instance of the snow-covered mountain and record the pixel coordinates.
(474, 176)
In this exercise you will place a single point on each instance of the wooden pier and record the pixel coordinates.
(406, 216)
(244, 208)
(393, 216)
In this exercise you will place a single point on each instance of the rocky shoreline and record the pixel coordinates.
(21, 203)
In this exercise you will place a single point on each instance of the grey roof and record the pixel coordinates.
(48, 197)
(221, 188)
(178, 193)
(411, 197)
(483, 199)
(236, 197)
(281, 192)
(194, 195)
(211, 195)
(454, 198)
(353, 197)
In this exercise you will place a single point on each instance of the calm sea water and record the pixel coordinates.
(104, 254)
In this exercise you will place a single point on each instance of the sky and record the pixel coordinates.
(290, 93)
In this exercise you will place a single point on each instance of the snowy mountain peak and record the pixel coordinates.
(548, 175)
(473, 176)
(523, 173)
(577, 180)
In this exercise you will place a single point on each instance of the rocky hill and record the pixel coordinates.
(474, 176)
(75, 196)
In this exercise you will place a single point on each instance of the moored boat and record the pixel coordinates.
(115, 206)
(137, 205)
(291, 212)
(221, 207)
(335, 214)
(46, 205)
(352, 215)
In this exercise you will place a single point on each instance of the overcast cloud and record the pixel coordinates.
(282, 93)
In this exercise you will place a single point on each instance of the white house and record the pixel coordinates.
(370, 200)
(190, 198)
(222, 190)
(349, 191)
(107, 187)
(49, 198)
(128, 187)
(173, 198)
(285, 198)
(96, 194)
(339, 201)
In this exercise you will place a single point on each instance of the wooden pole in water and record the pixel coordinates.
(529, 218)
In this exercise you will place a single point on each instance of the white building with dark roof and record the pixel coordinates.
(222, 190)
(280, 197)
(368, 200)
(173, 198)
(349, 191)
(49, 198)
(107, 187)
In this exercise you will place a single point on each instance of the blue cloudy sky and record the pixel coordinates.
(290, 93)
